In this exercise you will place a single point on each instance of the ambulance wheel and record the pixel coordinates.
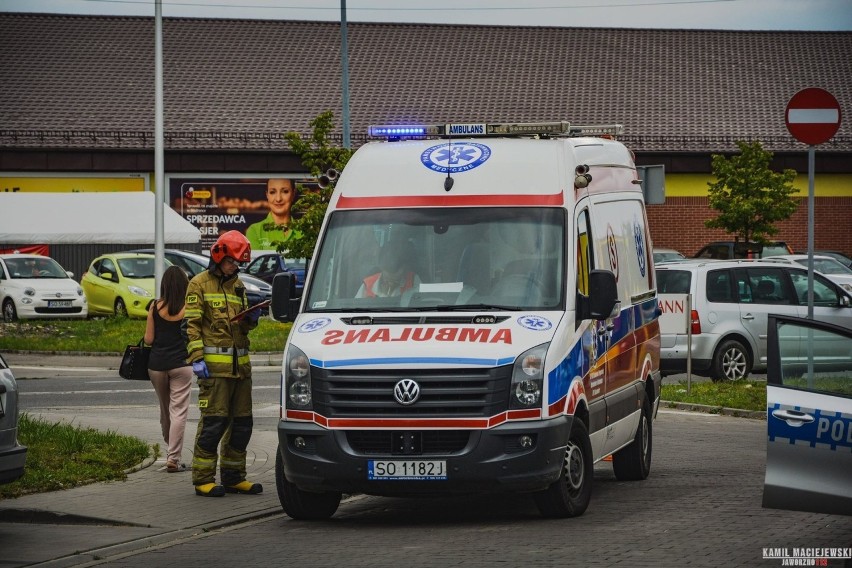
(303, 505)
(10, 314)
(120, 308)
(633, 463)
(569, 495)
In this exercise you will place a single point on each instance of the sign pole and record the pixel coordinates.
(811, 153)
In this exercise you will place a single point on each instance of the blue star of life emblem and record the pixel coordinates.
(314, 325)
(455, 157)
(640, 246)
(535, 323)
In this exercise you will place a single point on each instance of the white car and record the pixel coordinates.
(833, 269)
(34, 286)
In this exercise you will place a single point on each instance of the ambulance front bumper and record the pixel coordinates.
(515, 456)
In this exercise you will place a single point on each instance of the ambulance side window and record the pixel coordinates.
(584, 253)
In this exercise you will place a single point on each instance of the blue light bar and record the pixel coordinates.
(404, 130)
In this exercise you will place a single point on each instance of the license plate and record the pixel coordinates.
(410, 470)
(59, 303)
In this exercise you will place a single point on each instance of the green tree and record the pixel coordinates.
(318, 156)
(749, 197)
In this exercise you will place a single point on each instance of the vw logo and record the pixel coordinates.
(406, 392)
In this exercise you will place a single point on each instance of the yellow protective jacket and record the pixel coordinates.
(211, 301)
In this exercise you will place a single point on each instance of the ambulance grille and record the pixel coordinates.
(443, 392)
(383, 442)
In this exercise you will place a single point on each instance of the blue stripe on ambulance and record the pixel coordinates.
(412, 361)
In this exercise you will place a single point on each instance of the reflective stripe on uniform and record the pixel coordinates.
(228, 359)
(225, 350)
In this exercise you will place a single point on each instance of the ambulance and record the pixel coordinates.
(480, 315)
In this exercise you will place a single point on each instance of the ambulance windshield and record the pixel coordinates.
(440, 259)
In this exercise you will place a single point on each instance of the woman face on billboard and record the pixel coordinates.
(279, 195)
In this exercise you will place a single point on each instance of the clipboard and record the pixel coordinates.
(243, 313)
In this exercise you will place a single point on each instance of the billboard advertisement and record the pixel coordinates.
(252, 205)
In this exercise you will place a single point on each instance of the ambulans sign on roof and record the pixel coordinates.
(813, 116)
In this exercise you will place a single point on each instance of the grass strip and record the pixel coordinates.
(61, 456)
(744, 395)
(111, 335)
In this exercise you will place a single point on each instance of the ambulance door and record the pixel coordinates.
(595, 335)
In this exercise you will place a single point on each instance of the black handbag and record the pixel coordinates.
(134, 364)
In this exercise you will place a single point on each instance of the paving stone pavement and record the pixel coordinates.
(149, 503)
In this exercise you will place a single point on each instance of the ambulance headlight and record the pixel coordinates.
(298, 380)
(528, 379)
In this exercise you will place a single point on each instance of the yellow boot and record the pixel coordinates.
(210, 490)
(245, 487)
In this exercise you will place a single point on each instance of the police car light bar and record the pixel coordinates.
(474, 129)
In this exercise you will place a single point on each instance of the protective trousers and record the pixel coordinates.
(226, 416)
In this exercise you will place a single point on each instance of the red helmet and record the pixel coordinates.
(233, 244)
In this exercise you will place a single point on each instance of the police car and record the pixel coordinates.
(809, 416)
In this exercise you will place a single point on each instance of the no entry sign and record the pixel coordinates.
(813, 116)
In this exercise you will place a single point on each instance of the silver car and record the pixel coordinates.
(12, 454)
(731, 302)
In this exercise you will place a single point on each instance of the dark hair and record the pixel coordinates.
(173, 289)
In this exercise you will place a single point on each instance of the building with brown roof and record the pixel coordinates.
(77, 97)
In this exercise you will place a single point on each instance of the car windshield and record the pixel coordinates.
(827, 266)
(136, 267)
(433, 259)
(34, 268)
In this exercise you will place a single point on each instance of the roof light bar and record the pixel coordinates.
(476, 129)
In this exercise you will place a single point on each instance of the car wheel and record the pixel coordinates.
(120, 308)
(731, 361)
(303, 505)
(633, 463)
(569, 495)
(9, 312)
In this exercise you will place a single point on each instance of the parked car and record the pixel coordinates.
(266, 266)
(727, 250)
(667, 255)
(731, 303)
(831, 268)
(843, 259)
(809, 430)
(12, 455)
(120, 284)
(193, 263)
(34, 286)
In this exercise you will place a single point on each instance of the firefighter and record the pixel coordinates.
(218, 347)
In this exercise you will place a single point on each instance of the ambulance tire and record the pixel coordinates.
(303, 505)
(633, 463)
(569, 495)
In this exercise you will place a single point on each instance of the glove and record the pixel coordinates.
(200, 369)
(253, 315)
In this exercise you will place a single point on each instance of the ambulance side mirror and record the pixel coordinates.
(285, 303)
(603, 296)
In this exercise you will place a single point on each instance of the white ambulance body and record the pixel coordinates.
(514, 345)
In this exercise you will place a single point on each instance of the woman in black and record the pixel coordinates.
(170, 374)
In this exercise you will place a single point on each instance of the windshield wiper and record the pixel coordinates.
(476, 308)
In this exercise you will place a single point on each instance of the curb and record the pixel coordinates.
(707, 409)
